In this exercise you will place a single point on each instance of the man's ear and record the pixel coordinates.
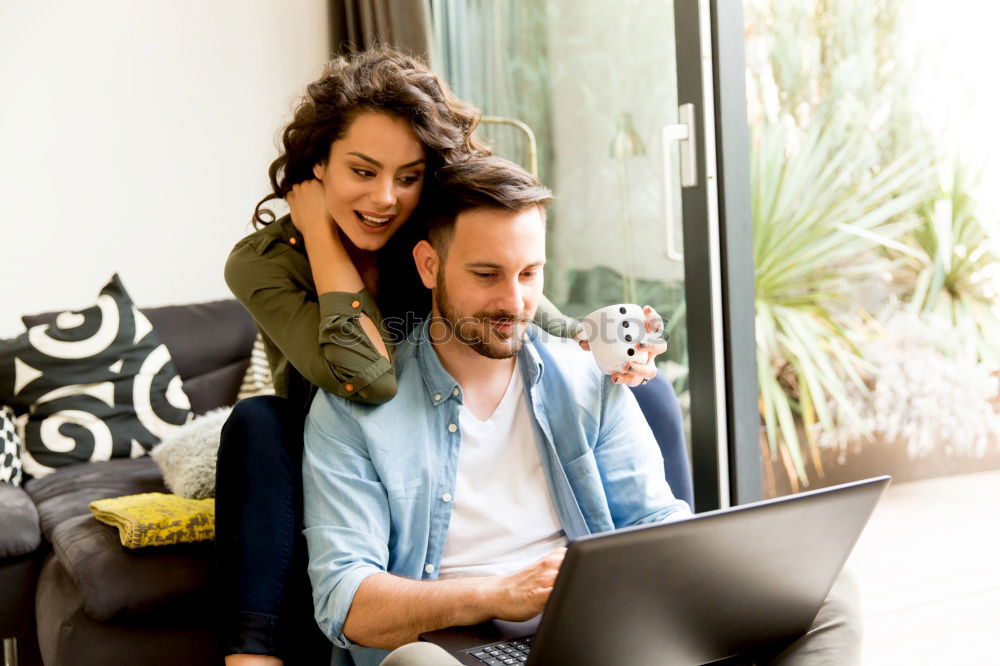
(428, 263)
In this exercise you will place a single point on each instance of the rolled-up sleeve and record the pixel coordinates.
(630, 463)
(320, 336)
(346, 513)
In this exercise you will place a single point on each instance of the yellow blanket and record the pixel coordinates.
(156, 519)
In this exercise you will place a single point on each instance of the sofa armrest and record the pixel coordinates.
(20, 538)
(19, 531)
(116, 582)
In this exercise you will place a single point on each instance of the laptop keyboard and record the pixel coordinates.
(507, 653)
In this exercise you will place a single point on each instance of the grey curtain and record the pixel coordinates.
(360, 24)
(493, 53)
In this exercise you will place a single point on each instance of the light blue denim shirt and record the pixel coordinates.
(377, 479)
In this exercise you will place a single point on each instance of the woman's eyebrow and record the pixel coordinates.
(374, 161)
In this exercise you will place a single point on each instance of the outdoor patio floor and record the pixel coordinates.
(929, 568)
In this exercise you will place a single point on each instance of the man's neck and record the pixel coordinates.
(483, 380)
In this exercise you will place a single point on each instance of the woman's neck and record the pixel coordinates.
(363, 260)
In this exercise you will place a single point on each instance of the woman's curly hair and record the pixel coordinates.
(381, 79)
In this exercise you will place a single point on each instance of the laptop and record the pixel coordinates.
(692, 591)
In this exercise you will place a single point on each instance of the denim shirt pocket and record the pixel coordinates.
(585, 481)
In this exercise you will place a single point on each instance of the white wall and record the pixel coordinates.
(135, 137)
(957, 91)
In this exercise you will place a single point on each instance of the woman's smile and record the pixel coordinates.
(373, 222)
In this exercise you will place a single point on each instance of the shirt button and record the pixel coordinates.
(454, 391)
(452, 427)
(446, 497)
(293, 240)
(349, 387)
(355, 304)
(437, 397)
(429, 568)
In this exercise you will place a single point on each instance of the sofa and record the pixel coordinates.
(70, 594)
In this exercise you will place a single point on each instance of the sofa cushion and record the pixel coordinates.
(114, 581)
(209, 343)
(205, 336)
(216, 388)
(19, 532)
(68, 636)
(69, 491)
(96, 384)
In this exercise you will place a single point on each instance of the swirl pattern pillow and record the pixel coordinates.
(95, 385)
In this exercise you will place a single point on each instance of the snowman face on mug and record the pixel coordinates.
(613, 333)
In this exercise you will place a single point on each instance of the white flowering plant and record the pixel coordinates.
(928, 389)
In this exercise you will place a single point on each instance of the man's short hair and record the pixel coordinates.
(482, 182)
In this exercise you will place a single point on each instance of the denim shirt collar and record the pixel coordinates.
(441, 386)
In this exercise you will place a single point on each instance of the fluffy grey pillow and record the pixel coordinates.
(187, 457)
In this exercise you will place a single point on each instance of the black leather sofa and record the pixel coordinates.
(70, 595)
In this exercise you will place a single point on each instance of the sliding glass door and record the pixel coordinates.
(619, 106)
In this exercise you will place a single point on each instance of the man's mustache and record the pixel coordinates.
(502, 317)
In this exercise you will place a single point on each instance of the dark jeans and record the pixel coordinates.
(659, 405)
(260, 551)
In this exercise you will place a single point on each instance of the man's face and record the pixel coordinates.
(490, 282)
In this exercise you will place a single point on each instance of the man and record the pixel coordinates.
(452, 503)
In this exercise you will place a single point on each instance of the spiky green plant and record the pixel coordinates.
(818, 216)
(953, 274)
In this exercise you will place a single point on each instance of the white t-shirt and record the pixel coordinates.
(503, 518)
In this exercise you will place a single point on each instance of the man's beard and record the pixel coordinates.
(476, 332)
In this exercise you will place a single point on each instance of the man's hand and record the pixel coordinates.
(307, 204)
(522, 595)
(389, 611)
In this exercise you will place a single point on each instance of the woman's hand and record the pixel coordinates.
(643, 368)
(331, 266)
(307, 203)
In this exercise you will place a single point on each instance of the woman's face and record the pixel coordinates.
(372, 178)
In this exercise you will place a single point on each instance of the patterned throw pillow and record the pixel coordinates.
(95, 385)
(10, 448)
(257, 379)
(157, 519)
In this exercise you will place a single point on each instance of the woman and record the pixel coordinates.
(321, 285)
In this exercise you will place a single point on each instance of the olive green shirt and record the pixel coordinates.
(316, 341)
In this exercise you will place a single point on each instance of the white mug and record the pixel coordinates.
(613, 333)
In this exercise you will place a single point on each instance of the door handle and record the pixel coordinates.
(684, 134)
